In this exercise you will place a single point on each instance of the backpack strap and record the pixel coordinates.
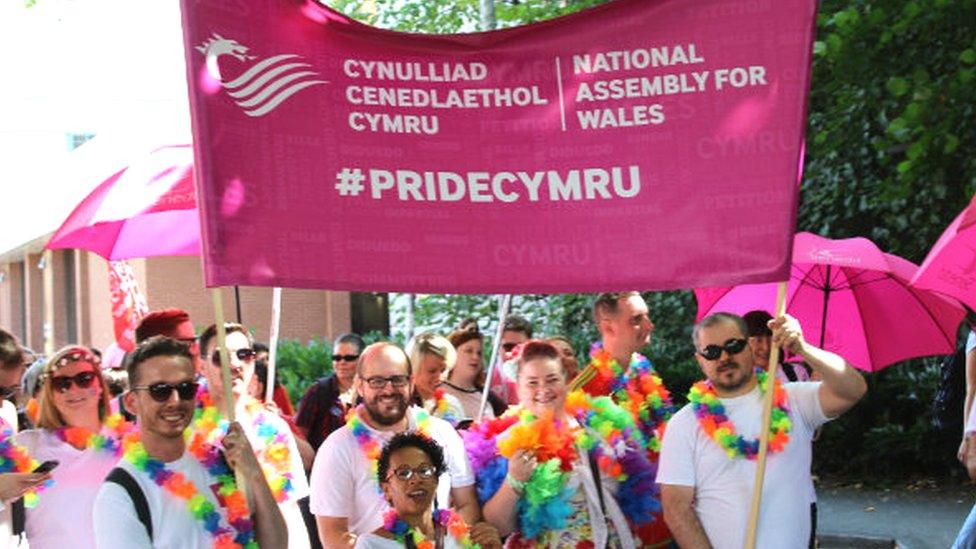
(122, 477)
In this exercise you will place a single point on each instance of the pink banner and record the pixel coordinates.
(650, 144)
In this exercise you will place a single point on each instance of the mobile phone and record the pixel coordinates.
(46, 467)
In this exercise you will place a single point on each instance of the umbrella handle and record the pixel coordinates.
(764, 431)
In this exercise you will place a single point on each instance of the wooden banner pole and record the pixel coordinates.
(764, 431)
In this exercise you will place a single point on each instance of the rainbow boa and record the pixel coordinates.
(14, 458)
(711, 416)
(607, 430)
(447, 519)
(442, 409)
(638, 389)
(373, 448)
(273, 453)
(240, 532)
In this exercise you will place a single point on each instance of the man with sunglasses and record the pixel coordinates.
(134, 510)
(254, 417)
(346, 497)
(515, 331)
(707, 475)
(323, 408)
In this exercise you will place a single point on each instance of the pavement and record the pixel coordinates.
(921, 515)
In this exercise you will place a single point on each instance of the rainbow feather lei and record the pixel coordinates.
(711, 416)
(240, 532)
(273, 453)
(14, 458)
(452, 523)
(442, 409)
(372, 448)
(608, 430)
(638, 389)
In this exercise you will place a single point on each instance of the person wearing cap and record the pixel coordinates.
(760, 341)
(172, 323)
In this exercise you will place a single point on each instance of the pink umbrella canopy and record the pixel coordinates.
(853, 299)
(950, 267)
(147, 209)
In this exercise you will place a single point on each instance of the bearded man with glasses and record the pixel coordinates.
(137, 506)
(708, 456)
(274, 444)
(346, 496)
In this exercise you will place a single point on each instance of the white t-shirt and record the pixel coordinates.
(63, 516)
(373, 541)
(297, 533)
(343, 484)
(723, 486)
(117, 525)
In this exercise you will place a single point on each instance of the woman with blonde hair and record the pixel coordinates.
(75, 431)
(431, 356)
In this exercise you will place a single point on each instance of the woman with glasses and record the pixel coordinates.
(430, 356)
(74, 407)
(466, 379)
(408, 468)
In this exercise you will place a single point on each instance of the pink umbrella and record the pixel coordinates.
(950, 267)
(147, 209)
(853, 299)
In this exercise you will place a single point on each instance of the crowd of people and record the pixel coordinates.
(398, 448)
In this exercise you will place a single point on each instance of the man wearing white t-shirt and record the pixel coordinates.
(706, 493)
(252, 415)
(163, 397)
(346, 497)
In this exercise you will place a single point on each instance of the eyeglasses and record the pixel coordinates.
(424, 472)
(508, 346)
(161, 392)
(378, 382)
(344, 358)
(83, 380)
(246, 354)
(732, 347)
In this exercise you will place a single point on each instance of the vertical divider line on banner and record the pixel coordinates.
(273, 344)
(496, 345)
(764, 431)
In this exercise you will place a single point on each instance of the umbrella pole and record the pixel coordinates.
(273, 343)
(495, 347)
(823, 317)
(766, 419)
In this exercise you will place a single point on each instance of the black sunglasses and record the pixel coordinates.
(508, 346)
(83, 380)
(732, 346)
(160, 392)
(246, 354)
(346, 358)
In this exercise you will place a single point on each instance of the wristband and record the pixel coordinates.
(516, 484)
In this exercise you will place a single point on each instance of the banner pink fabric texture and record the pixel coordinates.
(649, 144)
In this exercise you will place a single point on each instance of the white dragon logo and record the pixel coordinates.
(263, 86)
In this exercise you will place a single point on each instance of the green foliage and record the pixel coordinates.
(297, 365)
(889, 434)
(892, 125)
